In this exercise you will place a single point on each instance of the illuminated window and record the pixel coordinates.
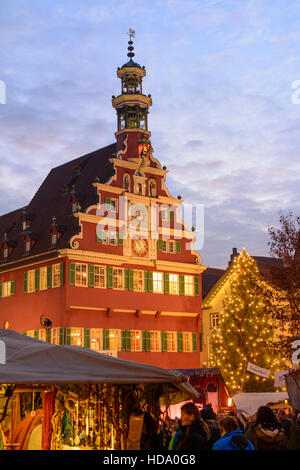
(56, 275)
(114, 340)
(5, 253)
(187, 342)
(55, 336)
(53, 239)
(7, 289)
(126, 183)
(81, 278)
(99, 279)
(96, 339)
(172, 246)
(42, 335)
(152, 188)
(158, 283)
(43, 278)
(31, 281)
(172, 341)
(30, 333)
(113, 238)
(188, 285)
(214, 320)
(138, 281)
(136, 340)
(24, 225)
(118, 278)
(76, 337)
(27, 247)
(155, 338)
(173, 283)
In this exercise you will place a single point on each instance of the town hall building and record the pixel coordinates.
(100, 258)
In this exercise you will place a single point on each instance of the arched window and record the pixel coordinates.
(126, 183)
(152, 188)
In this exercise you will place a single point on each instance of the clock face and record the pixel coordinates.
(140, 246)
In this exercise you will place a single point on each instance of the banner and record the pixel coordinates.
(258, 370)
(279, 378)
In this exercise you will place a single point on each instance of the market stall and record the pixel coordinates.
(87, 400)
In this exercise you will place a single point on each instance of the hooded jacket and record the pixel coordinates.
(267, 438)
(190, 438)
(233, 440)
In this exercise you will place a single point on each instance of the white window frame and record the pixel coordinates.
(136, 340)
(117, 272)
(187, 341)
(189, 285)
(159, 282)
(31, 281)
(81, 274)
(172, 340)
(174, 281)
(114, 336)
(56, 275)
(6, 289)
(77, 337)
(100, 274)
(140, 273)
(214, 320)
(155, 340)
(43, 278)
(96, 339)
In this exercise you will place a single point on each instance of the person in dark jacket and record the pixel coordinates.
(208, 415)
(294, 438)
(193, 433)
(150, 437)
(233, 437)
(266, 433)
(286, 423)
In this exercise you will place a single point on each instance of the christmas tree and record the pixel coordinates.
(244, 333)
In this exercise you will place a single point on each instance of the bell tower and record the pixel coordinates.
(132, 106)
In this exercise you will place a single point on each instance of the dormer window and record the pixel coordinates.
(24, 224)
(74, 207)
(53, 239)
(27, 246)
(152, 189)
(5, 253)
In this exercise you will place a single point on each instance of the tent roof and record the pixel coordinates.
(30, 361)
(250, 402)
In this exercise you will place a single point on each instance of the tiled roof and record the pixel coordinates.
(53, 199)
(209, 278)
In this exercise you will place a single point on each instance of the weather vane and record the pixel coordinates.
(131, 33)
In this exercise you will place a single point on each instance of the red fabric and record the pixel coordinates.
(49, 404)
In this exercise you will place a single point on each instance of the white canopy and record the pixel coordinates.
(30, 361)
(250, 402)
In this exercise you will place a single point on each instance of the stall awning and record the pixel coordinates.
(250, 402)
(30, 361)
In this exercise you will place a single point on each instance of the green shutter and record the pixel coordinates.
(120, 239)
(200, 341)
(126, 340)
(178, 247)
(12, 288)
(68, 336)
(61, 274)
(107, 203)
(61, 336)
(72, 274)
(109, 277)
(36, 279)
(131, 279)
(179, 341)
(26, 281)
(146, 340)
(171, 215)
(166, 283)
(36, 334)
(105, 337)
(87, 338)
(91, 275)
(49, 277)
(196, 285)
(159, 244)
(164, 341)
(195, 342)
(0, 291)
(150, 281)
(181, 284)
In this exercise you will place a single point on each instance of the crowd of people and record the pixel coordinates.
(204, 430)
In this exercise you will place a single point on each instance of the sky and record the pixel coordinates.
(225, 118)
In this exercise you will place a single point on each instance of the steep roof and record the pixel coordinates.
(209, 278)
(53, 199)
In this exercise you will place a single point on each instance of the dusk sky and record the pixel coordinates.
(225, 118)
